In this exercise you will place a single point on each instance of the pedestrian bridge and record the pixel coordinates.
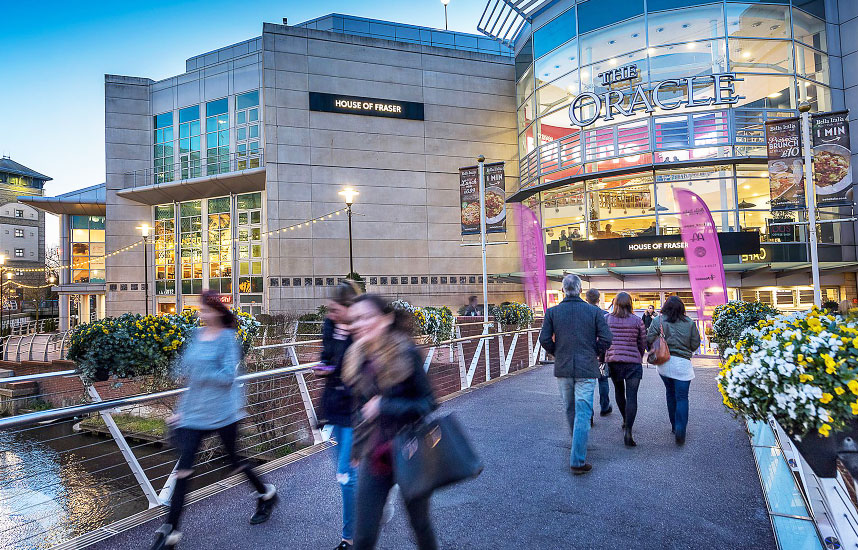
(706, 494)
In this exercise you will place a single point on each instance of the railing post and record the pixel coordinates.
(305, 397)
(501, 350)
(463, 376)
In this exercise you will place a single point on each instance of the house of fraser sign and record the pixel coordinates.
(588, 107)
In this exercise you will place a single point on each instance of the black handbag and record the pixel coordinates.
(433, 454)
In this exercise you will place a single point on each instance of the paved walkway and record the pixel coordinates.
(704, 495)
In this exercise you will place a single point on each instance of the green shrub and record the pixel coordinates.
(512, 314)
(732, 318)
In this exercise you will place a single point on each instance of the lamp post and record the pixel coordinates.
(810, 194)
(445, 2)
(349, 195)
(144, 230)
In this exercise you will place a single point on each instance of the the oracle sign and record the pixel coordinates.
(588, 107)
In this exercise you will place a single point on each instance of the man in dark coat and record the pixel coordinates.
(605, 407)
(576, 333)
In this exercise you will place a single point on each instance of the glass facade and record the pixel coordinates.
(233, 242)
(87, 249)
(247, 130)
(163, 150)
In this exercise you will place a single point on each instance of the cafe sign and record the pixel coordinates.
(588, 107)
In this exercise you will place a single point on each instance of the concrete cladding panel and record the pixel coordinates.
(407, 215)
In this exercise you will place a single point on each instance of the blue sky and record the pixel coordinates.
(54, 56)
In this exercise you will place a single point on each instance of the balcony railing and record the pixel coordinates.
(189, 168)
(698, 135)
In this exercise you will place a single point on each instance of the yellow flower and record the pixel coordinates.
(800, 358)
(824, 430)
(826, 398)
(839, 390)
(805, 377)
(853, 386)
(854, 408)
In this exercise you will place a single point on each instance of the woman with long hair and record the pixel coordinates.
(625, 360)
(214, 402)
(390, 390)
(682, 338)
(337, 400)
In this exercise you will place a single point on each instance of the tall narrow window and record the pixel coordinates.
(87, 247)
(165, 250)
(247, 130)
(189, 142)
(249, 210)
(163, 147)
(217, 136)
(220, 246)
(191, 225)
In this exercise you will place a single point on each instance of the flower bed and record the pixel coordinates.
(435, 323)
(732, 318)
(513, 314)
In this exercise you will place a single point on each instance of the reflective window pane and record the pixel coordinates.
(811, 64)
(558, 93)
(671, 27)
(554, 33)
(809, 30)
(250, 99)
(612, 42)
(217, 107)
(595, 14)
(684, 60)
(524, 88)
(189, 113)
(766, 92)
(758, 20)
(817, 95)
(557, 63)
(524, 59)
(761, 56)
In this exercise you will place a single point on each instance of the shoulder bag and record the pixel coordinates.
(660, 353)
(433, 454)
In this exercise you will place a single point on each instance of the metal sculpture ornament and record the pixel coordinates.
(702, 253)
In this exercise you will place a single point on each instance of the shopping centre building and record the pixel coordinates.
(598, 110)
(620, 102)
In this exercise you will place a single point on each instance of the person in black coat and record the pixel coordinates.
(336, 409)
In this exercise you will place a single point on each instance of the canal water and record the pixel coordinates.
(56, 483)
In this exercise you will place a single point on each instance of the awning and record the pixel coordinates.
(240, 181)
(69, 206)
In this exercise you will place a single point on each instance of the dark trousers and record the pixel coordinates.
(677, 403)
(372, 493)
(604, 394)
(188, 440)
(627, 379)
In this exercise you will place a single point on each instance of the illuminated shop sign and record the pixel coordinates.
(368, 106)
(588, 107)
(659, 246)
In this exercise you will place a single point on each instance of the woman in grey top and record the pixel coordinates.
(214, 402)
(682, 339)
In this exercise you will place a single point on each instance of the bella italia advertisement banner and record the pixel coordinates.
(532, 251)
(702, 253)
(786, 168)
(832, 167)
(469, 194)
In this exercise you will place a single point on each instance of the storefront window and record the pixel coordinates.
(220, 245)
(613, 41)
(165, 250)
(809, 30)
(621, 206)
(761, 56)
(552, 34)
(557, 63)
(191, 246)
(714, 185)
(87, 249)
(678, 26)
(249, 212)
(758, 20)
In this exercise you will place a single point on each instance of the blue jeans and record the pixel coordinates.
(578, 395)
(604, 394)
(346, 477)
(677, 403)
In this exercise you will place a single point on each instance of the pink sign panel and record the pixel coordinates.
(532, 251)
(702, 253)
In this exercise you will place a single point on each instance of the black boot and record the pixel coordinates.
(264, 504)
(627, 438)
(166, 538)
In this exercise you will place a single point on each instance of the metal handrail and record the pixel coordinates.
(32, 418)
(40, 376)
(204, 167)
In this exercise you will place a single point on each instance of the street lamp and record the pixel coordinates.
(445, 2)
(144, 230)
(349, 195)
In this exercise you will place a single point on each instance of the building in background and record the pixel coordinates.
(227, 158)
(608, 177)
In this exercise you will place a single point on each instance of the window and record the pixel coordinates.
(87, 248)
(190, 156)
(19, 252)
(165, 250)
(557, 63)
(593, 15)
(809, 30)
(220, 245)
(19, 233)
(163, 147)
(19, 213)
(761, 56)
(554, 33)
(249, 211)
(613, 41)
(758, 20)
(524, 59)
(191, 246)
(247, 126)
(217, 136)
(679, 26)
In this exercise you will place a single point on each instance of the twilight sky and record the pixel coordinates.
(54, 56)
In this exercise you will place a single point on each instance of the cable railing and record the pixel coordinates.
(68, 471)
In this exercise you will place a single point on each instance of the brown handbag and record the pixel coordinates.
(660, 354)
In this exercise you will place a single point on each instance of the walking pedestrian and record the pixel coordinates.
(648, 316)
(625, 360)
(337, 401)
(575, 332)
(682, 338)
(605, 408)
(214, 402)
(390, 390)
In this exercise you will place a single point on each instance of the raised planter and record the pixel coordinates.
(819, 452)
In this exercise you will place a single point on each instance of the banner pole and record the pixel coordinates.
(482, 177)
(810, 194)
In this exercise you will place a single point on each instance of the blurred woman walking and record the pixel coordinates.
(390, 390)
(682, 338)
(625, 360)
(214, 402)
(336, 399)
